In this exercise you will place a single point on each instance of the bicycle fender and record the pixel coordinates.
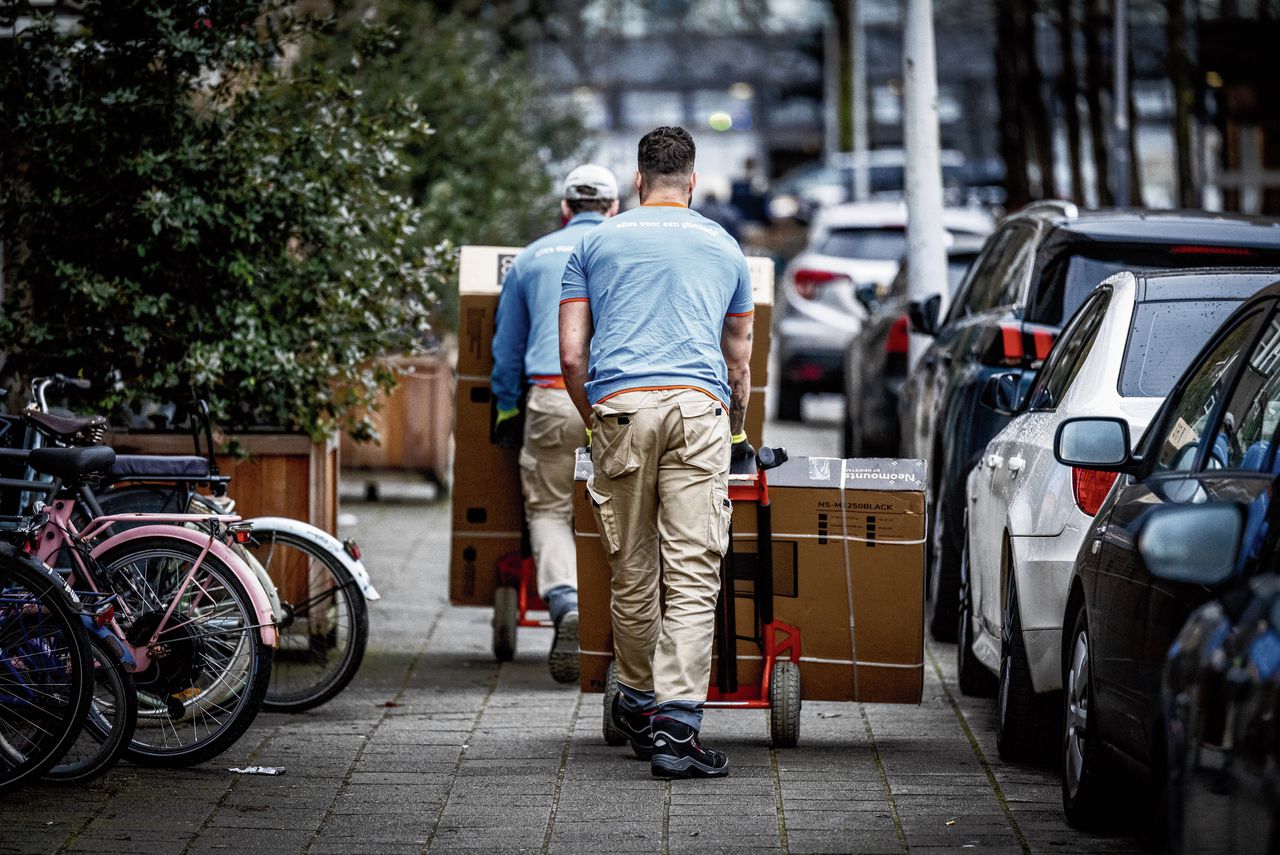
(324, 540)
(257, 597)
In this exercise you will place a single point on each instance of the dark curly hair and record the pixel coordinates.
(665, 156)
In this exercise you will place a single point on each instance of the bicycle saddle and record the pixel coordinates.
(160, 466)
(65, 427)
(71, 464)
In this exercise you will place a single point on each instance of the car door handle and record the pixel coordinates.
(995, 461)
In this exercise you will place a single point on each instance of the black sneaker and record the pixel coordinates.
(677, 753)
(634, 726)
(563, 658)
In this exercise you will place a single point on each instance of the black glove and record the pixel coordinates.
(508, 430)
(742, 449)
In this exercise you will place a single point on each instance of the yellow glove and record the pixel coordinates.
(503, 415)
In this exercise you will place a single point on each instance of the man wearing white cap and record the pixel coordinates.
(526, 351)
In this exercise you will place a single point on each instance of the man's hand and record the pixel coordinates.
(741, 448)
(506, 429)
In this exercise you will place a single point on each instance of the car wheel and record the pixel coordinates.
(974, 678)
(1084, 767)
(944, 577)
(849, 444)
(1018, 709)
(789, 398)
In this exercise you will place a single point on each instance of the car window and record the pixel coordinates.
(1200, 397)
(999, 274)
(1163, 339)
(876, 244)
(1253, 411)
(1068, 355)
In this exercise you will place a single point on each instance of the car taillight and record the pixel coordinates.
(808, 282)
(1020, 344)
(1090, 488)
(899, 340)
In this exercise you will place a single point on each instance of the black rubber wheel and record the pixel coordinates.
(324, 633)
(506, 618)
(789, 399)
(47, 681)
(612, 736)
(944, 576)
(1019, 710)
(850, 444)
(784, 704)
(973, 677)
(1086, 773)
(108, 723)
(201, 697)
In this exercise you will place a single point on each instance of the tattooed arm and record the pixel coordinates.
(735, 343)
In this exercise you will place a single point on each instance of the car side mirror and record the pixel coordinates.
(1196, 544)
(1003, 393)
(923, 314)
(1093, 443)
(868, 296)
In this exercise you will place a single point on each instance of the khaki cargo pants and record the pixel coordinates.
(661, 498)
(553, 431)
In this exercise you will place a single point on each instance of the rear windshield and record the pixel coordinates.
(873, 244)
(1067, 279)
(1164, 338)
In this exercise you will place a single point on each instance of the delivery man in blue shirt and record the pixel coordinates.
(655, 341)
(526, 350)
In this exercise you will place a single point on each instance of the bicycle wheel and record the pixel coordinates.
(108, 725)
(209, 668)
(45, 671)
(324, 628)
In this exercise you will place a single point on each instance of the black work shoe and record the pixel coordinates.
(563, 659)
(635, 727)
(677, 753)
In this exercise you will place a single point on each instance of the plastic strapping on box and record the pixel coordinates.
(474, 378)
(848, 574)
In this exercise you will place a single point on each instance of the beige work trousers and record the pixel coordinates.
(661, 497)
(553, 430)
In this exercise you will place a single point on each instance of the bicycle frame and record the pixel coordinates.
(60, 532)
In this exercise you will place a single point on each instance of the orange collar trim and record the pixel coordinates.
(663, 205)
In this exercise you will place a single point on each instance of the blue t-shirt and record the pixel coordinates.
(660, 280)
(526, 341)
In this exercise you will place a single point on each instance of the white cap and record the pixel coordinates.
(590, 181)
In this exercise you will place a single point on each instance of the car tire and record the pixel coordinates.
(944, 577)
(848, 439)
(972, 676)
(1083, 763)
(789, 398)
(1018, 708)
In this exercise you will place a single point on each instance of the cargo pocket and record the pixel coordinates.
(612, 442)
(718, 522)
(706, 435)
(541, 430)
(606, 518)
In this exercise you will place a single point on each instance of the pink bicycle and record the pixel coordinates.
(192, 614)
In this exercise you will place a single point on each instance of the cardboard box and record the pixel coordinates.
(487, 507)
(848, 572)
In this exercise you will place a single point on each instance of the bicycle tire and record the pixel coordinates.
(192, 668)
(52, 639)
(337, 655)
(108, 724)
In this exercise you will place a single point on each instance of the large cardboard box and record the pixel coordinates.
(487, 507)
(848, 572)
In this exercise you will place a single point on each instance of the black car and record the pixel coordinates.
(1213, 441)
(1033, 273)
(876, 361)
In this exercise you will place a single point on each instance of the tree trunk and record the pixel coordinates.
(1013, 142)
(1031, 95)
(1135, 165)
(1068, 92)
(844, 37)
(1183, 96)
(1096, 65)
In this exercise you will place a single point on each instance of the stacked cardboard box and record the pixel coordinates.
(487, 508)
(848, 572)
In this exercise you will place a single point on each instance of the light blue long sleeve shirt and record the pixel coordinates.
(526, 341)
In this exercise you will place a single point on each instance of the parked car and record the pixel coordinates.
(1118, 356)
(1034, 272)
(876, 360)
(850, 246)
(1221, 695)
(1213, 441)
(810, 187)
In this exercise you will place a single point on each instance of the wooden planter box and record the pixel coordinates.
(284, 474)
(414, 421)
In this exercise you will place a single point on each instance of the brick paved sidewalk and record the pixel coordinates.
(437, 748)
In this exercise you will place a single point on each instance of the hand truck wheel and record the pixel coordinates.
(612, 736)
(506, 616)
(784, 704)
